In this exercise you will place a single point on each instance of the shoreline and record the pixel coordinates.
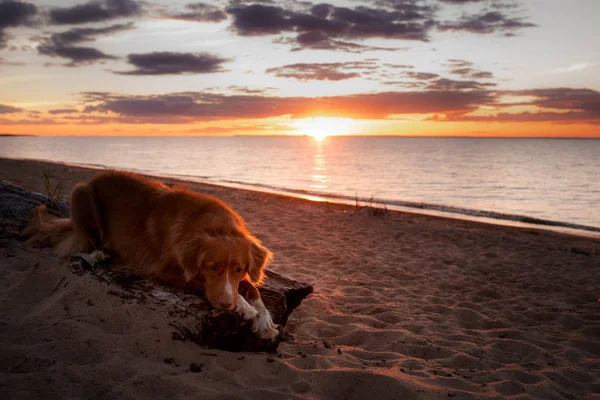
(434, 210)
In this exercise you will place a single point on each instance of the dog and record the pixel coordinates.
(178, 236)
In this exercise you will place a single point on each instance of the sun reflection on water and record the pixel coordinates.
(319, 178)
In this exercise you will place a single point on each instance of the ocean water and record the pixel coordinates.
(545, 179)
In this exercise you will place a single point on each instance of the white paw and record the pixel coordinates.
(245, 310)
(263, 324)
(264, 327)
(93, 258)
(99, 255)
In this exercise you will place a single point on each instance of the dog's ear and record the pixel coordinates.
(193, 267)
(189, 255)
(260, 257)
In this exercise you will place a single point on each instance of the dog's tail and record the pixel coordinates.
(47, 230)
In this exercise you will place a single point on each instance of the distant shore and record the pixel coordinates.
(15, 134)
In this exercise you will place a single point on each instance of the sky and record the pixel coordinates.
(517, 68)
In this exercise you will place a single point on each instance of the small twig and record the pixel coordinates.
(75, 316)
(61, 281)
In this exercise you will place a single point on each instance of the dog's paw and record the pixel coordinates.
(263, 324)
(94, 257)
(99, 255)
(245, 310)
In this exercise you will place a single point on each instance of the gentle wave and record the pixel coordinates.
(408, 204)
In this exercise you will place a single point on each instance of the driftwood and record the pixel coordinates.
(191, 316)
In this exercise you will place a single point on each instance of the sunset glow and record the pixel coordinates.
(321, 127)
(414, 67)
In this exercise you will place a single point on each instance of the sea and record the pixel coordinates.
(547, 182)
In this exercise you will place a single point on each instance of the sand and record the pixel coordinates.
(406, 306)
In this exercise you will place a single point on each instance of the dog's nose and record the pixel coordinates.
(226, 306)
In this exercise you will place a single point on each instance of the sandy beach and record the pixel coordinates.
(405, 306)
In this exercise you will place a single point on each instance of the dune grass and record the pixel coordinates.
(370, 206)
(54, 194)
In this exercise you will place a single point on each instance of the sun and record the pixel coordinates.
(321, 127)
(320, 135)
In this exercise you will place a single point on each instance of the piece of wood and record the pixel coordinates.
(192, 316)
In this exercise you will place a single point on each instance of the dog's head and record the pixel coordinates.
(222, 261)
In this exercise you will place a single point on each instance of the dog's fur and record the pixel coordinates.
(173, 234)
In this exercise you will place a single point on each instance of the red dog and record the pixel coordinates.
(175, 235)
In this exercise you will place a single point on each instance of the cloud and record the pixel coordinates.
(412, 9)
(320, 41)
(325, 26)
(369, 68)
(453, 99)
(169, 63)
(421, 76)
(193, 106)
(573, 68)
(4, 109)
(465, 70)
(497, 4)
(542, 116)
(199, 12)
(507, 5)
(559, 105)
(63, 111)
(456, 85)
(94, 11)
(443, 100)
(399, 66)
(257, 20)
(472, 73)
(461, 1)
(586, 101)
(486, 23)
(77, 55)
(328, 27)
(404, 84)
(62, 44)
(455, 63)
(435, 82)
(247, 90)
(323, 71)
(480, 74)
(78, 35)
(14, 14)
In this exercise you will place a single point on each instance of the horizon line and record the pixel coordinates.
(309, 136)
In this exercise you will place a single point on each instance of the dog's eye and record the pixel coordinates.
(213, 268)
(238, 270)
